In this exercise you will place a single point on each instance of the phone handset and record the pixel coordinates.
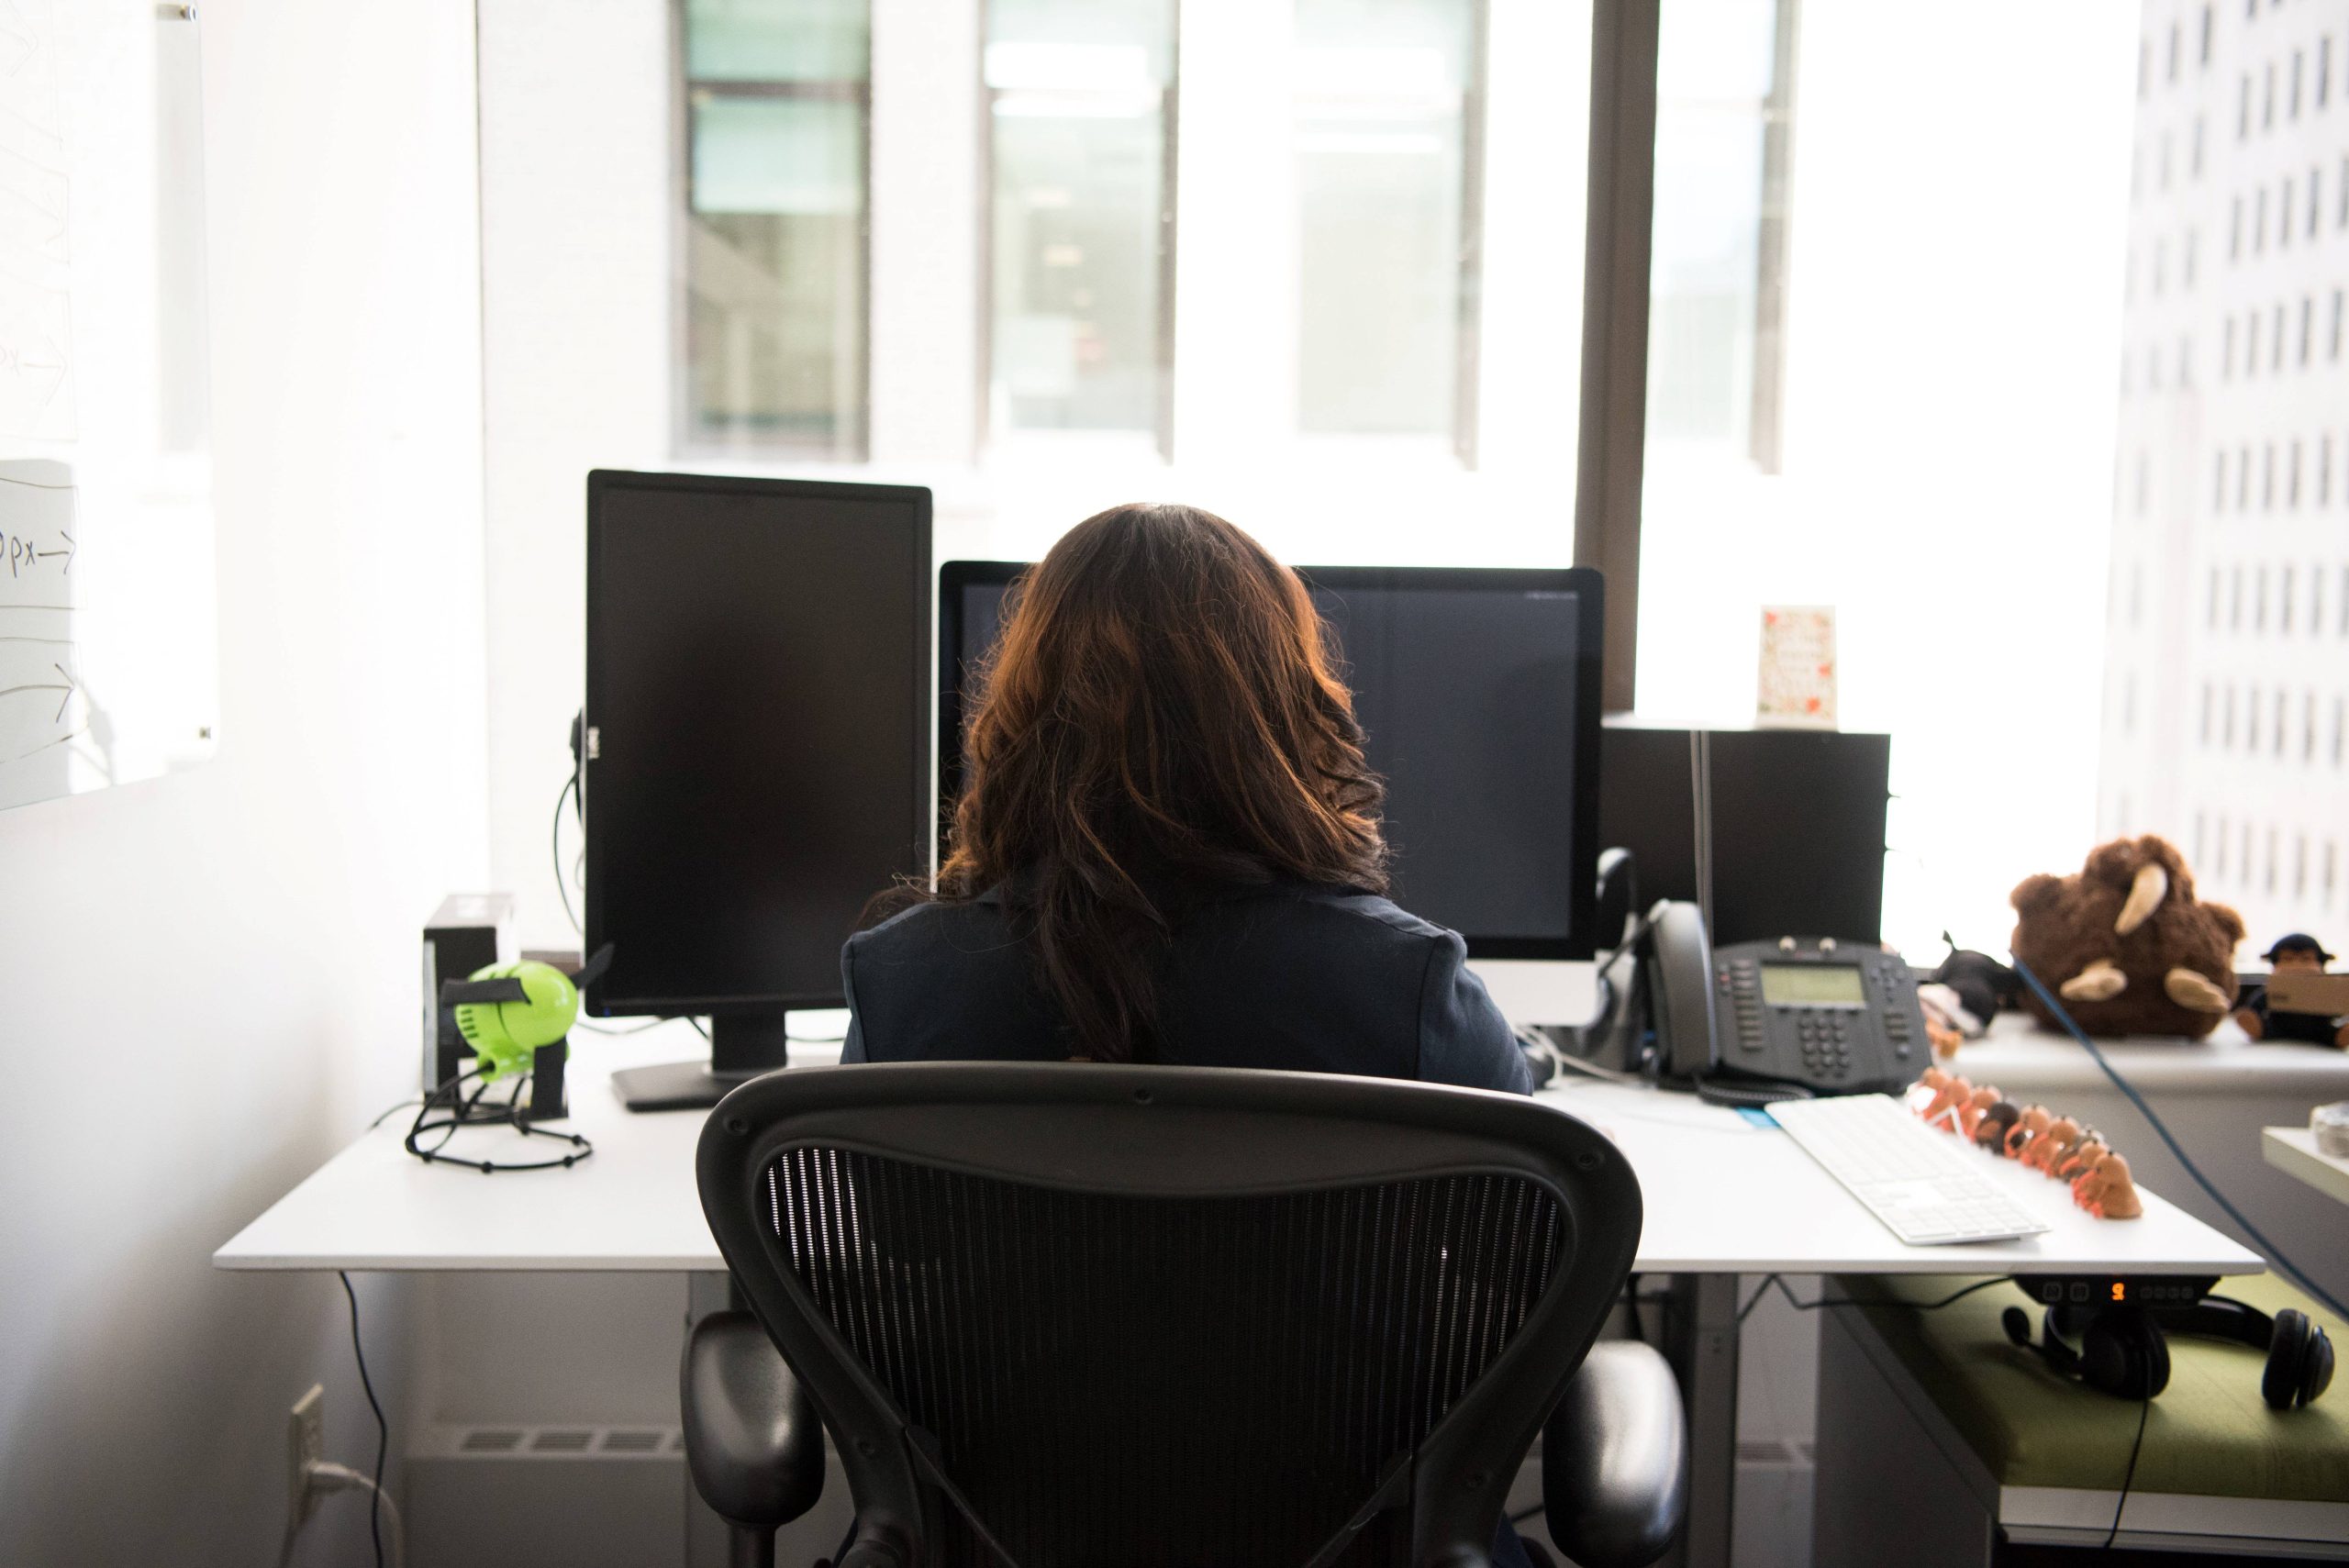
(1679, 957)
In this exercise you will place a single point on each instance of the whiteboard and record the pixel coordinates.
(108, 626)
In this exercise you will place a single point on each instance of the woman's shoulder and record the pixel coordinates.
(1354, 911)
(966, 926)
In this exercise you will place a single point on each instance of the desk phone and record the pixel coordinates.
(1832, 1018)
(1843, 1020)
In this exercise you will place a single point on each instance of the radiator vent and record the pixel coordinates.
(490, 1440)
(530, 1444)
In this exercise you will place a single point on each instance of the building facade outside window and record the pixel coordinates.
(1080, 101)
(774, 138)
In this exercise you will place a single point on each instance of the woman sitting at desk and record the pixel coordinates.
(1167, 847)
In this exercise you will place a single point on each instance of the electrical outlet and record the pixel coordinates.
(306, 1445)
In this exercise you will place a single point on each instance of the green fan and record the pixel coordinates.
(518, 1016)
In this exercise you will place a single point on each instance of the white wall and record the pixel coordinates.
(211, 977)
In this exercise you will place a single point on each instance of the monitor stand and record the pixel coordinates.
(741, 1046)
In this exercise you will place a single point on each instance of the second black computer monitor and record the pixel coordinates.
(1478, 694)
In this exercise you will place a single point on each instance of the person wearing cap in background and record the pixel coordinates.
(2297, 951)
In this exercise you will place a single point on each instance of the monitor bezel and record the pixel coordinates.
(1585, 582)
(603, 481)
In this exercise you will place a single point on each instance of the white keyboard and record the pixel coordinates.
(1922, 1184)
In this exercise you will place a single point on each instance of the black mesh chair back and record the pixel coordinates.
(1069, 1314)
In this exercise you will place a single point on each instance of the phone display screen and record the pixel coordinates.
(1811, 985)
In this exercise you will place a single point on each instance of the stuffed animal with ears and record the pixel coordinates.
(2126, 944)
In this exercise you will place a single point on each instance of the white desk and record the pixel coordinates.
(1722, 1196)
(2293, 1150)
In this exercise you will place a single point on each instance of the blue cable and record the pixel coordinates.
(2274, 1253)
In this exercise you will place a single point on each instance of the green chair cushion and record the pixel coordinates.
(2207, 1435)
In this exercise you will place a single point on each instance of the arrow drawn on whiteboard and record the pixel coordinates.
(68, 688)
(67, 552)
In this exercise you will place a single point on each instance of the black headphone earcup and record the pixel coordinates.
(2300, 1362)
(2125, 1355)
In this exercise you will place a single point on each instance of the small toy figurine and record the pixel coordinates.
(2298, 953)
(2107, 1192)
(1941, 1111)
(2040, 1153)
(1926, 1090)
(1996, 1123)
(2082, 1158)
(2029, 1125)
(1970, 1114)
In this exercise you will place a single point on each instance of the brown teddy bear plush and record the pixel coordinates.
(2126, 944)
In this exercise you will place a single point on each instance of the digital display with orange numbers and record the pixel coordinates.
(2120, 1291)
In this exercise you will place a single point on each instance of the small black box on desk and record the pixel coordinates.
(470, 931)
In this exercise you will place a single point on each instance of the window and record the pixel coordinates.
(2292, 498)
(2242, 108)
(2195, 158)
(1387, 141)
(2268, 98)
(2298, 61)
(2283, 608)
(1723, 109)
(1081, 102)
(2217, 504)
(2333, 349)
(2250, 344)
(2284, 214)
(2259, 222)
(2206, 36)
(777, 123)
(2235, 232)
(2227, 351)
(2308, 318)
(2323, 68)
(2276, 340)
(2315, 184)
(2324, 449)
(2170, 70)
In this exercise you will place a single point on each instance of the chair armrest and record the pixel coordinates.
(753, 1440)
(1615, 1459)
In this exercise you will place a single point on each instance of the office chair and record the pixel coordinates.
(1070, 1314)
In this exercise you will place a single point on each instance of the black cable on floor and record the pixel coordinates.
(383, 1428)
(2144, 1408)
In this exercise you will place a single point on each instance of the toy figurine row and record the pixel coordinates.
(2056, 1144)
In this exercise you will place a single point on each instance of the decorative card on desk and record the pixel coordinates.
(1798, 681)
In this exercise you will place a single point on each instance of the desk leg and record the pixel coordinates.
(1700, 1340)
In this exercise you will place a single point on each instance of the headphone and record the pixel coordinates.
(2121, 1351)
(2124, 1351)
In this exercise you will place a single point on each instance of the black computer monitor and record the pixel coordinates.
(756, 757)
(1478, 695)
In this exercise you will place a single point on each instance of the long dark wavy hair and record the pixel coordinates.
(1158, 719)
